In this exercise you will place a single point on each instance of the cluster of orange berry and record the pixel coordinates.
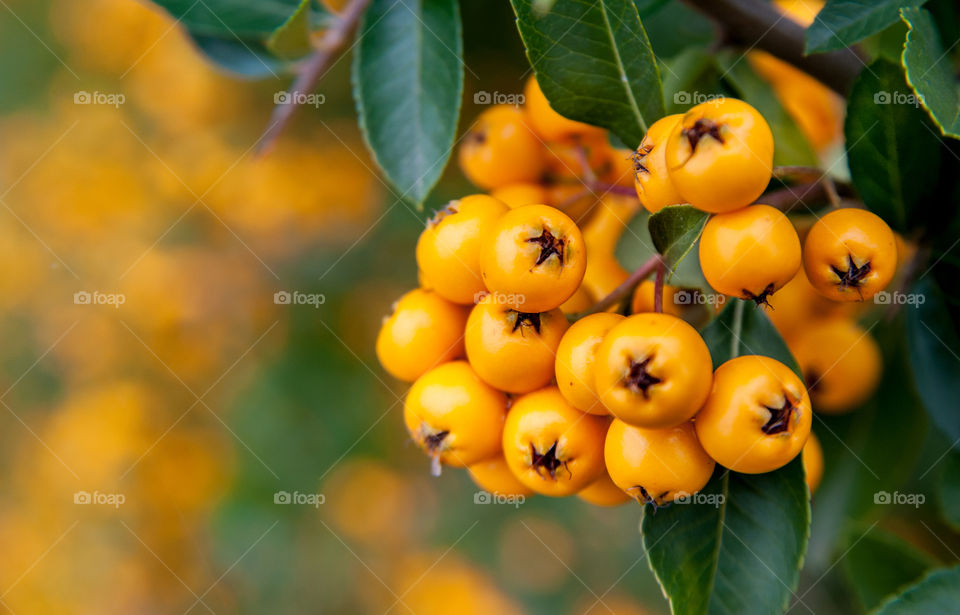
(612, 406)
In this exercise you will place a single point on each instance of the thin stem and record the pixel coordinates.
(623, 291)
(737, 328)
(617, 189)
(658, 289)
(328, 47)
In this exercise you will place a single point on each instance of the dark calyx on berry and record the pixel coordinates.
(639, 379)
(853, 276)
(549, 246)
(642, 496)
(547, 461)
(779, 420)
(525, 319)
(434, 440)
(700, 129)
(760, 299)
(637, 157)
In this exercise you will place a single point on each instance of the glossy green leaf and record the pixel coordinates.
(408, 82)
(842, 23)
(737, 549)
(857, 445)
(937, 593)
(292, 39)
(792, 147)
(243, 59)
(948, 490)
(742, 328)
(930, 71)
(232, 19)
(675, 231)
(594, 63)
(878, 564)
(894, 157)
(934, 346)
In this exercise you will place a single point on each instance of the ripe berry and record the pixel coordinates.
(749, 253)
(654, 187)
(575, 360)
(603, 492)
(535, 257)
(511, 350)
(494, 476)
(656, 465)
(455, 417)
(643, 299)
(798, 303)
(423, 331)
(850, 255)
(501, 149)
(757, 417)
(841, 363)
(547, 123)
(720, 156)
(812, 456)
(552, 447)
(653, 370)
(520, 194)
(449, 249)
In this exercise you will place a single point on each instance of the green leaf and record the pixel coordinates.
(408, 84)
(857, 445)
(635, 247)
(879, 563)
(792, 147)
(243, 59)
(232, 19)
(948, 490)
(594, 63)
(842, 23)
(742, 328)
(292, 39)
(938, 592)
(894, 157)
(739, 550)
(675, 231)
(930, 71)
(934, 345)
(687, 76)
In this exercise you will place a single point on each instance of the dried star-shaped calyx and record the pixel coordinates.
(438, 217)
(760, 299)
(547, 461)
(638, 379)
(641, 495)
(853, 276)
(433, 441)
(549, 245)
(700, 129)
(638, 158)
(524, 319)
(779, 421)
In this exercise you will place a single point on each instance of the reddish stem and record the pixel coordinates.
(621, 292)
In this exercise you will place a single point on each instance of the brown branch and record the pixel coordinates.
(626, 287)
(328, 47)
(756, 23)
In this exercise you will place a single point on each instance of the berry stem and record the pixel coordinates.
(658, 289)
(606, 188)
(737, 328)
(626, 288)
(328, 47)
